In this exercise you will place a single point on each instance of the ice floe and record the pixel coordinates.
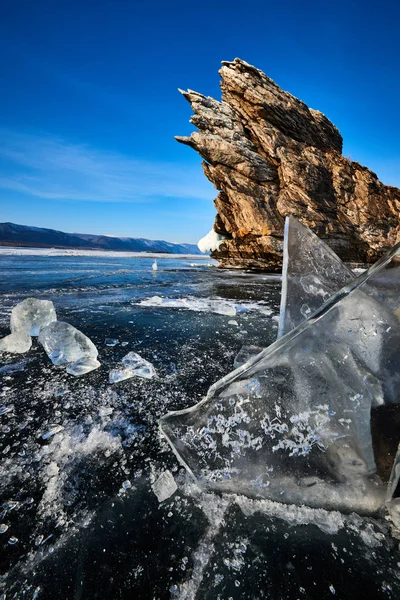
(219, 307)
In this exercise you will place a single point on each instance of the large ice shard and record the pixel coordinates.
(31, 315)
(293, 423)
(66, 345)
(311, 274)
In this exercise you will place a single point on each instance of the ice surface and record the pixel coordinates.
(311, 274)
(164, 486)
(246, 353)
(31, 314)
(133, 365)
(220, 307)
(65, 344)
(293, 423)
(211, 241)
(16, 343)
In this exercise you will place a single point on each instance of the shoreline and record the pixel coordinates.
(28, 251)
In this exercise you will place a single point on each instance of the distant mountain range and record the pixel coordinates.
(37, 237)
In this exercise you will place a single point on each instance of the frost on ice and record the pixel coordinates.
(133, 365)
(292, 424)
(164, 486)
(32, 314)
(211, 241)
(66, 345)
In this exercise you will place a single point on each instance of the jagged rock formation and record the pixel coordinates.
(269, 155)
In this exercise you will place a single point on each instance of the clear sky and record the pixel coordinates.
(89, 104)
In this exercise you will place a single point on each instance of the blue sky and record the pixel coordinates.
(89, 104)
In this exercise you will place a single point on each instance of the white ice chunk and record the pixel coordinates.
(164, 486)
(65, 344)
(133, 365)
(32, 314)
(220, 307)
(83, 366)
(211, 241)
(16, 343)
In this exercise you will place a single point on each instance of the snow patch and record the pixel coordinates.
(211, 241)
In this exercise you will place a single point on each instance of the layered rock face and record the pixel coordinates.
(269, 156)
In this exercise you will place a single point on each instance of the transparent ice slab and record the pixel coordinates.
(133, 365)
(245, 353)
(65, 344)
(82, 366)
(31, 314)
(311, 274)
(293, 423)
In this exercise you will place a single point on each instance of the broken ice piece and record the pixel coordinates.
(52, 431)
(302, 407)
(133, 365)
(245, 353)
(31, 315)
(223, 308)
(110, 342)
(311, 274)
(16, 343)
(83, 366)
(120, 374)
(394, 512)
(3, 527)
(13, 540)
(164, 486)
(64, 344)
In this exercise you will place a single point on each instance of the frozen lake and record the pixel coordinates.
(80, 457)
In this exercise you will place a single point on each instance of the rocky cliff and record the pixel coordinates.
(269, 156)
